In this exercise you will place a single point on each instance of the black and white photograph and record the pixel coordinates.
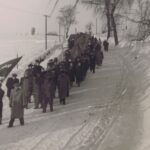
(74, 74)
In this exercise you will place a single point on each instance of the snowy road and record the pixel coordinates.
(101, 114)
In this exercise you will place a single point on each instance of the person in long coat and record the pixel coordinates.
(63, 84)
(78, 71)
(16, 105)
(10, 83)
(48, 91)
(92, 62)
(37, 74)
(1, 102)
(29, 72)
(106, 45)
(26, 84)
(101, 57)
(71, 72)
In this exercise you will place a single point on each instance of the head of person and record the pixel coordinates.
(37, 62)
(14, 75)
(30, 66)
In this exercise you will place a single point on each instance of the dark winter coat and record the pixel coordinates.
(1, 101)
(37, 70)
(106, 45)
(92, 60)
(63, 85)
(37, 92)
(48, 88)
(99, 57)
(78, 71)
(16, 103)
(10, 84)
(26, 88)
(71, 72)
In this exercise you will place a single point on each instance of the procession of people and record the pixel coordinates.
(45, 84)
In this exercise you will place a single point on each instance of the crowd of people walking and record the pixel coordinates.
(43, 83)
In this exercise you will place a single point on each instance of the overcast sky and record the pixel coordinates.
(20, 15)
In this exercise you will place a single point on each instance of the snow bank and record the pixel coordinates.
(139, 57)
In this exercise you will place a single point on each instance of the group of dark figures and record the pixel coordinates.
(43, 83)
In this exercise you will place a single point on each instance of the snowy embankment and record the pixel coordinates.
(138, 54)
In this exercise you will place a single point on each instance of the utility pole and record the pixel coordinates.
(46, 16)
(17, 63)
(45, 31)
(59, 32)
(96, 26)
(76, 31)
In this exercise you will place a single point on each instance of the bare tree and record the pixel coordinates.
(141, 19)
(109, 8)
(144, 19)
(67, 17)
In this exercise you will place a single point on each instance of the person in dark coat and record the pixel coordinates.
(10, 83)
(29, 72)
(16, 105)
(48, 91)
(92, 62)
(63, 84)
(78, 71)
(106, 45)
(1, 102)
(71, 72)
(26, 84)
(37, 74)
(101, 57)
(85, 65)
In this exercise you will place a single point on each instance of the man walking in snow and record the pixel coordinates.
(63, 84)
(48, 91)
(106, 45)
(37, 74)
(16, 105)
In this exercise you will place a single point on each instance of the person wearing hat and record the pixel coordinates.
(92, 61)
(10, 83)
(1, 102)
(48, 91)
(16, 105)
(78, 71)
(63, 84)
(37, 77)
(106, 45)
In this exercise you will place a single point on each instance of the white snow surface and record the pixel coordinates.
(139, 55)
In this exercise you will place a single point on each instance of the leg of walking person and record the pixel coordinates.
(1, 112)
(21, 121)
(11, 122)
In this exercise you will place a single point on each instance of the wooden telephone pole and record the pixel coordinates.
(46, 16)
